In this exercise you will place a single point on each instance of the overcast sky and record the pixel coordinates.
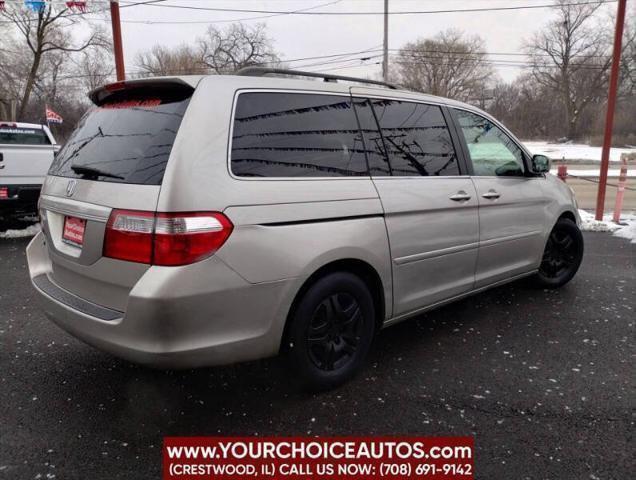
(298, 36)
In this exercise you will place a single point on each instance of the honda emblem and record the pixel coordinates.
(70, 188)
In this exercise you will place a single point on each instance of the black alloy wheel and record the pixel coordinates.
(330, 331)
(562, 255)
(334, 332)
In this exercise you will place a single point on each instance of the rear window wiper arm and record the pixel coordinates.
(93, 172)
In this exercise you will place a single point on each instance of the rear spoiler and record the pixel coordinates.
(185, 86)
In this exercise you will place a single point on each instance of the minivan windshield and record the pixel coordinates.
(125, 141)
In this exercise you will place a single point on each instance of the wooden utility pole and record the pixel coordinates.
(385, 59)
(611, 105)
(117, 43)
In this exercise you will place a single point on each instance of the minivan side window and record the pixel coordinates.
(492, 152)
(416, 138)
(296, 135)
(373, 144)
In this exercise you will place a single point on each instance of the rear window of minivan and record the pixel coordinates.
(126, 139)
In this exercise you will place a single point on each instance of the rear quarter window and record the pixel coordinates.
(296, 135)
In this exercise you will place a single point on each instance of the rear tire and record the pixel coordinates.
(331, 331)
(562, 256)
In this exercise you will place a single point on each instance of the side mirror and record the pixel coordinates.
(540, 164)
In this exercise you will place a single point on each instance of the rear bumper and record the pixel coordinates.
(22, 199)
(200, 315)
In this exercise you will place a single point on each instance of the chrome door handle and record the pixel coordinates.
(491, 195)
(460, 196)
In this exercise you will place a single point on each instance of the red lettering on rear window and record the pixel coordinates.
(151, 102)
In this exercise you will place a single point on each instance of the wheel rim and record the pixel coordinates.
(560, 254)
(333, 335)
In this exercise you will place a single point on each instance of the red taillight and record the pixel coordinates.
(168, 239)
(129, 236)
(4, 192)
(183, 238)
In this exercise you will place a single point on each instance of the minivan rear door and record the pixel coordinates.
(115, 159)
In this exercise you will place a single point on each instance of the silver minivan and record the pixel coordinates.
(196, 221)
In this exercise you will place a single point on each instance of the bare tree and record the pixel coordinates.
(628, 63)
(160, 60)
(46, 33)
(571, 56)
(527, 108)
(238, 46)
(449, 65)
(506, 98)
(8, 88)
(93, 68)
(218, 51)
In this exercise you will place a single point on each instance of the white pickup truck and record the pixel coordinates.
(26, 153)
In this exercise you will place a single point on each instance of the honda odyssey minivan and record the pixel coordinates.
(195, 221)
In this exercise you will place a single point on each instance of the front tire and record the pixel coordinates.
(331, 331)
(562, 256)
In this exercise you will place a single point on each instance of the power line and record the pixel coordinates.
(444, 62)
(345, 54)
(153, 3)
(455, 52)
(262, 17)
(415, 53)
(307, 11)
(63, 2)
(101, 10)
(404, 12)
(338, 65)
(335, 59)
(275, 13)
(436, 60)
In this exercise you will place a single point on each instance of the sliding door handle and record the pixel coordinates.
(491, 195)
(460, 196)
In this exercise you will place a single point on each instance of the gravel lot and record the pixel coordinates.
(544, 380)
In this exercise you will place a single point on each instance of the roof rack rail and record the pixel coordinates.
(262, 71)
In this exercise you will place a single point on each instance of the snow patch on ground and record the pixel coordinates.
(29, 231)
(574, 151)
(628, 230)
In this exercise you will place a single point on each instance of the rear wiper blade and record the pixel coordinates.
(93, 172)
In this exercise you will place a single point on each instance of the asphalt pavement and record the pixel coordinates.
(544, 381)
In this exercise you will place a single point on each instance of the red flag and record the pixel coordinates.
(79, 5)
(52, 117)
(1, 5)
